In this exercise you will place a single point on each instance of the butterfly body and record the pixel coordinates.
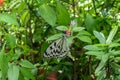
(57, 49)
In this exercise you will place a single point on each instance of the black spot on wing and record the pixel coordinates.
(51, 47)
(55, 44)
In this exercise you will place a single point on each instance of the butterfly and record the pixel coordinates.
(57, 49)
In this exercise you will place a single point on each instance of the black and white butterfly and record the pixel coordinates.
(57, 49)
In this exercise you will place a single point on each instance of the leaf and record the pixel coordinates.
(105, 58)
(115, 53)
(26, 64)
(3, 63)
(112, 34)
(90, 23)
(54, 37)
(84, 39)
(8, 18)
(101, 75)
(25, 17)
(83, 32)
(100, 37)
(77, 29)
(11, 40)
(63, 16)
(98, 54)
(26, 73)
(48, 14)
(114, 45)
(62, 28)
(92, 47)
(13, 72)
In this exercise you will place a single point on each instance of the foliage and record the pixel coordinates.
(27, 27)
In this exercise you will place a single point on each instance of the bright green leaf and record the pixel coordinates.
(13, 72)
(98, 54)
(11, 40)
(27, 73)
(92, 47)
(85, 39)
(112, 34)
(8, 18)
(26, 64)
(83, 32)
(77, 29)
(3, 63)
(105, 58)
(100, 37)
(54, 37)
(62, 28)
(63, 16)
(48, 14)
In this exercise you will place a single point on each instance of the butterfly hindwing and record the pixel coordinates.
(58, 48)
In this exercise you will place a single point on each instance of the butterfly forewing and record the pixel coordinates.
(57, 49)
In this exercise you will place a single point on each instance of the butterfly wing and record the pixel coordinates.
(57, 49)
(65, 48)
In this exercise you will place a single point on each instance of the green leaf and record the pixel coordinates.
(48, 14)
(13, 72)
(54, 37)
(84, 39)
(112, 34)
(11, 40)
(100, 37)
(63, 16)
(77, 29)
(8, 18)
(3, 63)
(25, 17)
(83, 32)
(62, 28)
(105, 58)
(101, 75)
(90, 23)
(27, 64)
(115, 53)
(98, 54)
(114, 45)
(115, 65)
(92, 47)
(27, 73)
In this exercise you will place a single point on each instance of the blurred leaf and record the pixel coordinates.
(84, 39)
(63, 16)
(105, 58)
(92, 47)
(101, 75)
(115, 65)
(48, 14)
(3, 63)
(100, 37)
(11, 40)
(90, 23)
(114, 45)
(115, 53)
(98, 54)
(25, 17)
(8, 18)
(77, 29)
(54, 37)
(62, 28)
(112, 34)
(13, 72)
(27, 64)
(26, 73)
(83, 32)
(17, 55)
